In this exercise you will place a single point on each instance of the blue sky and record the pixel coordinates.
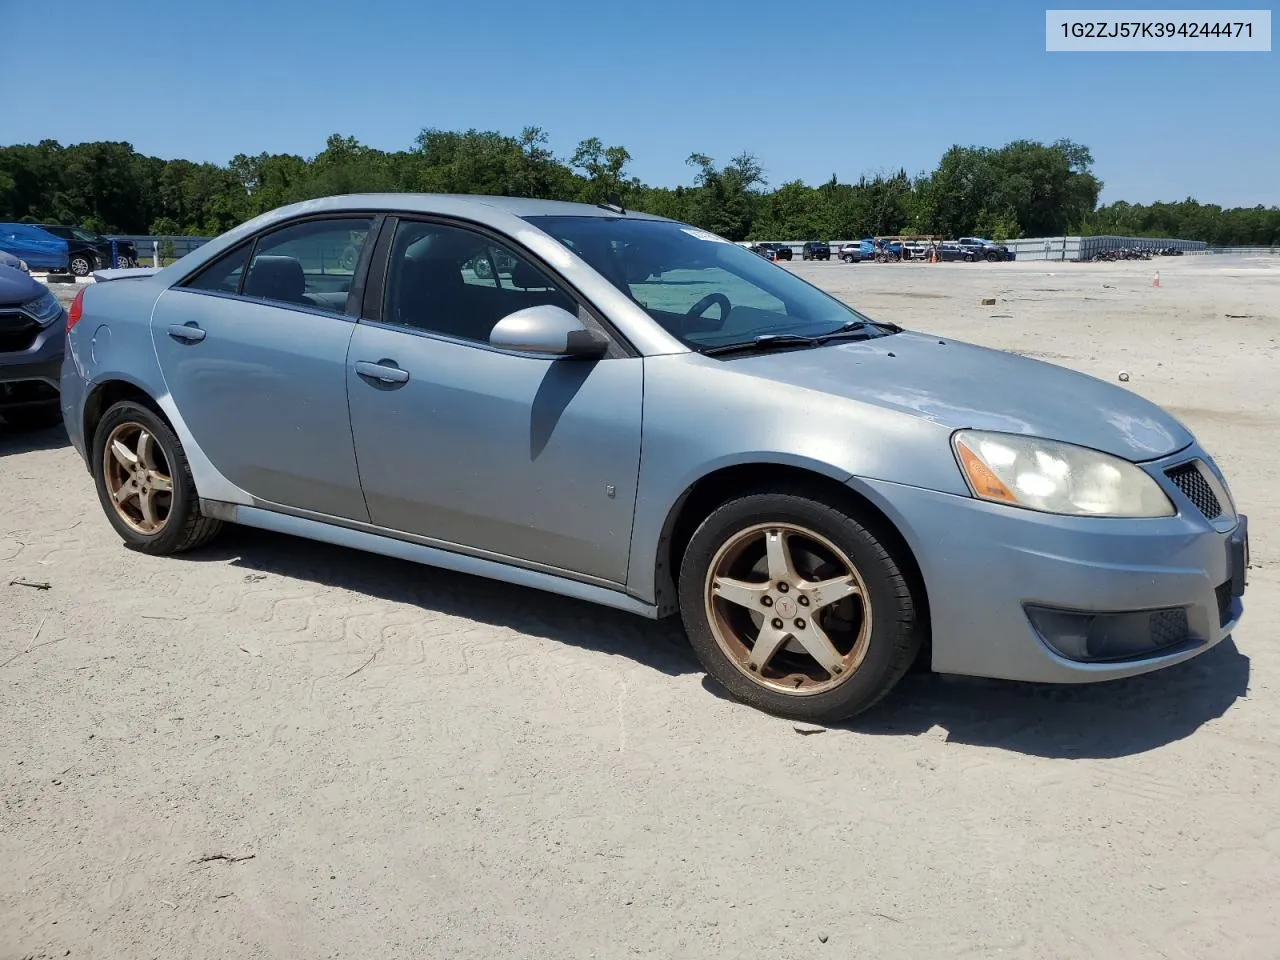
(811, 87)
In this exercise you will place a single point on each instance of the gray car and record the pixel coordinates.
(632, 411)
(32, 331)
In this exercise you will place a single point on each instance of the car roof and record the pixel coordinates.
(451, 202)
(26, 229)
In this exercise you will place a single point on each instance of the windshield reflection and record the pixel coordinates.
(699, 287)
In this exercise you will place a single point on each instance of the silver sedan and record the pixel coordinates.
(633, 411)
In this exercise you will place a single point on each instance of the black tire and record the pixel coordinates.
(81, 265)
(185, 527)
(969, 258)
(42, 417)
(895, 635)
(992, 256)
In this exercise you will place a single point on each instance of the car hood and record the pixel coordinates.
(958, 384)
(17, 287)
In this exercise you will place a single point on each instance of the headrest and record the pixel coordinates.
(526, 277)
(275, 278)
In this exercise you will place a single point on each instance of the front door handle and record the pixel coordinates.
(186, 332)
(384, 371)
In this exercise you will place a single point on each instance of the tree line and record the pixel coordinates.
(1024, 188)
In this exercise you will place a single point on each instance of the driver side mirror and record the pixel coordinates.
(548, 331)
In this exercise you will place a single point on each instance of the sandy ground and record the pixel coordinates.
(392, 761)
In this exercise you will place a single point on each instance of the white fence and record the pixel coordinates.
(1083, 248)
(1059, 248)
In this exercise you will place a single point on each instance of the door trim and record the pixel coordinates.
(424, 550)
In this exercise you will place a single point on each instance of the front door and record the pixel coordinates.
(504, 454)
(255, 360)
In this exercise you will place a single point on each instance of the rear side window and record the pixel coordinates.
(309, 264)
(223, 275)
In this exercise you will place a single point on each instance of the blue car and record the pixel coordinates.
(646, 415)
(40, 249)
(32, 336)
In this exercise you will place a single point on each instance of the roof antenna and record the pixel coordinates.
(613, 202)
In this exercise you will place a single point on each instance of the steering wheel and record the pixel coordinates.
(701, 307)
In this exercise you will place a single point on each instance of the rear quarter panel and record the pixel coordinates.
(112, 342)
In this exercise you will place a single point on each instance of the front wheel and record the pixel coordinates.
(796, 607)
(144, 482)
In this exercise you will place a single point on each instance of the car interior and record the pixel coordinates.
(282, 278)
(451, 281)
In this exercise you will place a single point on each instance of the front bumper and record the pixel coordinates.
(31, 376)
(988, 569)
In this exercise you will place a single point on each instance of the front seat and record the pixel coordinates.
(433, 296)
(276, 278)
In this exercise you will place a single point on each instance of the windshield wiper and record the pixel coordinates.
(767, 341)
(860, 326)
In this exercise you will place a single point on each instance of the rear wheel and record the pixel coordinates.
(796, 607)
(81, 266)
(144, 482)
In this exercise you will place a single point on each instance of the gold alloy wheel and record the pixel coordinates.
(137, 477)
(789, 608)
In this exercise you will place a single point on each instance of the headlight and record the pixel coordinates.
(44, 308)
(1056, 477)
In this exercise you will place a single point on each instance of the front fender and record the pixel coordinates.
(702, 416)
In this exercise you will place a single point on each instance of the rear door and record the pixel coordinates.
(254, 349)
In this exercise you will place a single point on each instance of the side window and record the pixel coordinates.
(453, 281)
(223, 275)
(312, 263)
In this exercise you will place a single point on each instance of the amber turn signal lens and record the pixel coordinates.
(984, 482)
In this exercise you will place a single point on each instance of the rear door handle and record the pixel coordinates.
(186, 332)
(384, 371)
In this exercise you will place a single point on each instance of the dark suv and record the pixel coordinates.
(772, 251)
(815, 250)
(987, 250)
(33, 332)
(126, 253)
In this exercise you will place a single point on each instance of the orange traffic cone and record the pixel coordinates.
(933, 254)
(1156, 281)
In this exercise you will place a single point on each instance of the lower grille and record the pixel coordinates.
(1223, 594)
(1110, 637)
(1168, 627)
(1188, 478)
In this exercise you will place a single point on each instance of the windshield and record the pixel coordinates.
(84, 235)
(701, 288)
